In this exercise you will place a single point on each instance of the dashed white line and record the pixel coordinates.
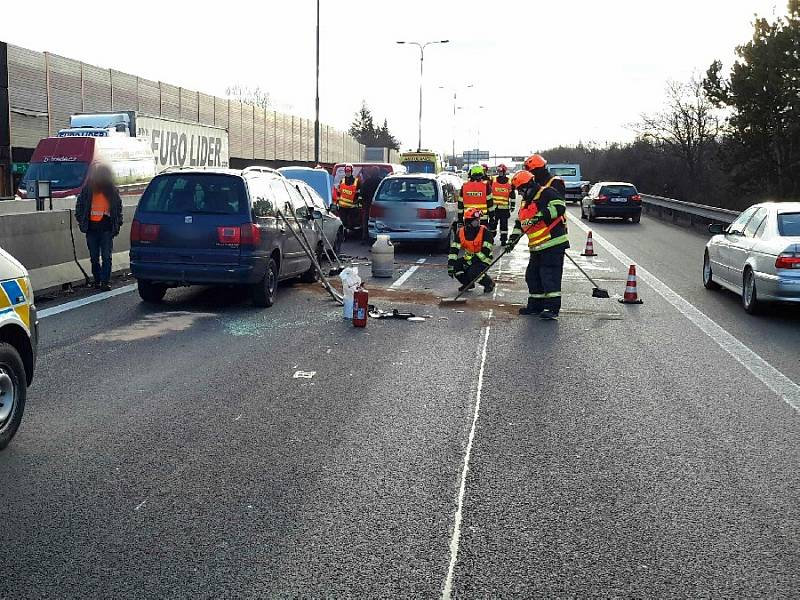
(447, 590)
(779, 383)
(404, 277)
(140, 505)
(55, 310)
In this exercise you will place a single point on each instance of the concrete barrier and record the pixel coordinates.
(18, 207)
(42, 242)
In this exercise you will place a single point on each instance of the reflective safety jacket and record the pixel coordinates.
(502, 193)
(557, 184)
(543, 220)
(348, 194)
(101, 207)
(479, 247)
(476, 194)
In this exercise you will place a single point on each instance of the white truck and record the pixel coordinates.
(173, 143)
(574, 183)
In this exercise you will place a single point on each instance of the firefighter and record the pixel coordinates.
(348, 199)
(537, 165)
(542, 217)
(503, 196)
(475, 239)
(476, 193)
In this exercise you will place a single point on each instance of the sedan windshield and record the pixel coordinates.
(407, 190)
(789, 224)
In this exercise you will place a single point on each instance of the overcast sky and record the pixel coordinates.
(548, 71)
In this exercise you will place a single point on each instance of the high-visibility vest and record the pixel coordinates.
(501, 192)
(473, 195)
(347, 194)
(533, 224)
(473, 246)
(101, 207)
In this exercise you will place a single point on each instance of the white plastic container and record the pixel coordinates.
(350, 283)
(383, 257)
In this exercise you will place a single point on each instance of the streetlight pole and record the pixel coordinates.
(422, 47)
(455, 102)
(316, 119)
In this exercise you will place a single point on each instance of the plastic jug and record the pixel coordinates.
(383, 257)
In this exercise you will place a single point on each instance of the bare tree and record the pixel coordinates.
(686, 128)
(255, 96)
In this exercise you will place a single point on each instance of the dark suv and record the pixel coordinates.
(220, 226)
(612, 199)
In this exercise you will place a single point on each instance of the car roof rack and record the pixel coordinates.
(259, 169)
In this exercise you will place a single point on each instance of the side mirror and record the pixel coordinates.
(716, 228)
(316, 214)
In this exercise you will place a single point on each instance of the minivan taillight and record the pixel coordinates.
(230, 235)
(601, 199)
(144, 232)
(636, 198)
(250, 235)
(432, 213)
(788, 260)
(376, 211)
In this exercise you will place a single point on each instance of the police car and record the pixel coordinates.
(18, 341)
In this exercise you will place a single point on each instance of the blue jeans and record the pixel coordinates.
(100, 244)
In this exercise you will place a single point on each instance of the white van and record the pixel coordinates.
(19, 334)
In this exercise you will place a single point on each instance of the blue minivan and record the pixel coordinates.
(221, 227)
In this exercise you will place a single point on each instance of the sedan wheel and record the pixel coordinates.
(592, 218)
(583, 213)
(708, 276)
(749, 294)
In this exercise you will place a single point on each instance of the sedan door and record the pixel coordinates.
(728, 247)
(738, 242)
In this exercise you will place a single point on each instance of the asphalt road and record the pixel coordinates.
(623, 451)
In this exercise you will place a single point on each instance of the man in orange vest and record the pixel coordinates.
(475, 240)
(503, 196)
(542, 217)
(477, 193)
(348, 196)
(537, 165)
(98, 211)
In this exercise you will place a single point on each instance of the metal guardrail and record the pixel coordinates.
(697, 214)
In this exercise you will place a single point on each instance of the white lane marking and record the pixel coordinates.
(239, 417)
(140, 505)
(55, 310)
(404, 277)
(304, 374)
(779, 383)
(447, 591)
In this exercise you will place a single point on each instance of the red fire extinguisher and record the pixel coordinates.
(360, 307)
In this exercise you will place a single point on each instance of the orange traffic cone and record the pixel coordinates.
(631, 296)
(589, 251)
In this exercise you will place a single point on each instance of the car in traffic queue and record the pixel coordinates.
(221, 227)
(757, 256)
(370, 176)
(19, 335)
(414, 208)
(319, 179)
(331, 223)
(612, 199)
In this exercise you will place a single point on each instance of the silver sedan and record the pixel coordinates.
(757, 256)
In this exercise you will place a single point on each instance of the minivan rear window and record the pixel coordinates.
(197, 193)
(407, 190)
(789, 224)
(618, 190)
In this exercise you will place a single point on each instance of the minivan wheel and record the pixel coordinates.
(263, 292)
(12, 392)
(708, 275)
(312, 275)
(151, 292)
(749, 294)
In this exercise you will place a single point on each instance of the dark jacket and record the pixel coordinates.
(83, 207)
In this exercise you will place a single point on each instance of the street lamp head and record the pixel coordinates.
(444, 41)
(399, 42)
